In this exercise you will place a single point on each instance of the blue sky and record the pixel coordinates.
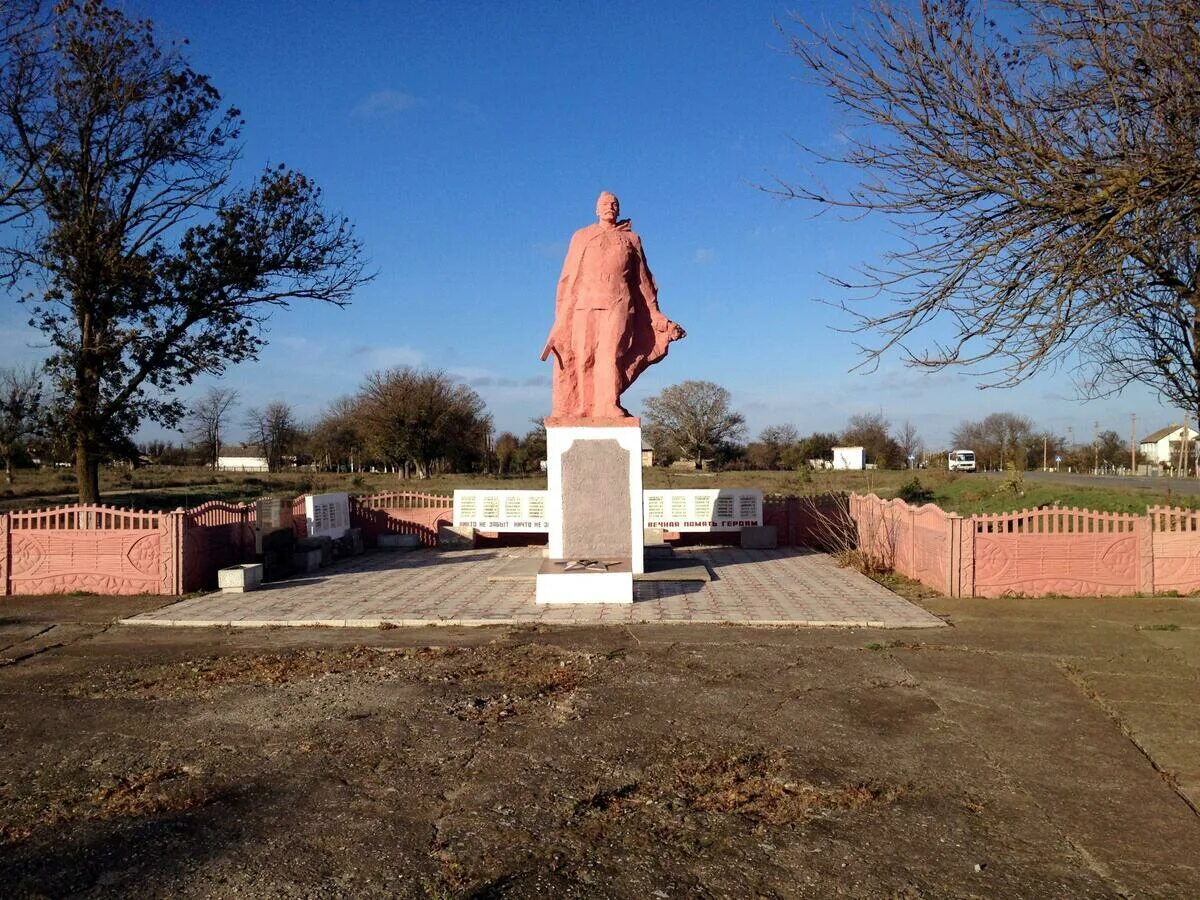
(467, 140)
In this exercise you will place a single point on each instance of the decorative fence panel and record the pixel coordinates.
(99, 549)
(215, 535)
(1176, 548)
(927, 532)
(919, 542)
(402, 512)
(1075, 552)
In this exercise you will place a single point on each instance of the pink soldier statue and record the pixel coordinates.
(607, 324)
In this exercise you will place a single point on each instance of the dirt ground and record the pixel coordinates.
(1037, 748)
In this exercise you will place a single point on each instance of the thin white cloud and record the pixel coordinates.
(704, 255)
(381, 104)
(369, 358)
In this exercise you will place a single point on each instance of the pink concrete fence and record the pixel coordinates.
(1073, 552)
(921, 542)
(105, 550)
(99, 549)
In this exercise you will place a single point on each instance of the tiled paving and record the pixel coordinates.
(749, 587)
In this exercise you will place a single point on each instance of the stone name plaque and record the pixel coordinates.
(716, 509)
(486, 510)
(328, 514)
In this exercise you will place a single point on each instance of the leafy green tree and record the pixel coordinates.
(818, 445)
(418, 418)
(115, 157)
(534, 445)
(871, 432)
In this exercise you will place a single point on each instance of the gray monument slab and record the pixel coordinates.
(595, 489)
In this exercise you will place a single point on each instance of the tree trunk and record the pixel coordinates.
(8, 470)
(87, 468)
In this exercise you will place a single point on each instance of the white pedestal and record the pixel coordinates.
(584, 587)
(594, 510)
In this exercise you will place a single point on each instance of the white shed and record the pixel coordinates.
(849, 458)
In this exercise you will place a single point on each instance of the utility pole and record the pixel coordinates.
(1095, 448)
(1070, 442)
(1133, 443)
(1045, 443)
(1183, 446)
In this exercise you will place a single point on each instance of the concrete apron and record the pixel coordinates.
(495, 587)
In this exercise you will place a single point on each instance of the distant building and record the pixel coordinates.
(242, 459)
(1162, 447)
(647, 456)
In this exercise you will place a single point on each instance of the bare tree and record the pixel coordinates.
(21, 413)
(909, 441)
(695, 418)
(117, 157)
(274, 430)
(337, 436)
(1042, 167)
(207, 418)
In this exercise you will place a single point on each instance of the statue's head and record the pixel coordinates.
(608, 207)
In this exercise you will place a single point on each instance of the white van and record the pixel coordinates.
(961, 461)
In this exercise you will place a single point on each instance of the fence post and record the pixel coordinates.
(173, 553)
(954, 561)
(914, 572)
(1144, 530)
(5, 554)
(966, 559)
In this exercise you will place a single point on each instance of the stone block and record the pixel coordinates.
(278, 563)
(653, 536)
(239, 579)
(355, 538)
(277, 541)
(759, 537)
(307, 560)
(326, 549)
(273, 514)
(456, 537)
(399, 542)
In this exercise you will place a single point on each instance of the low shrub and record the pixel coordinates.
(914, 493)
